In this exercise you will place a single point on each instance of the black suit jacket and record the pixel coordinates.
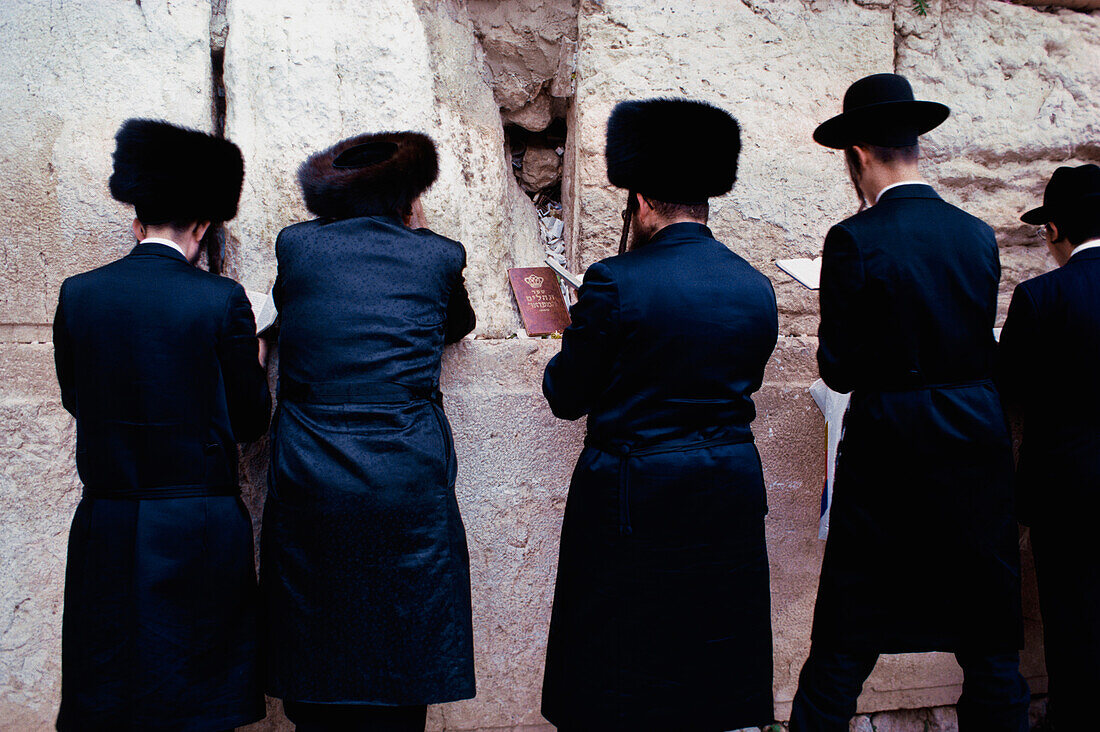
(908, 295)
(668, 342)
(157, 360)
(1047, 363)
(923, 490)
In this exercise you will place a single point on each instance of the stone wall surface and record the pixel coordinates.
(1023, 83)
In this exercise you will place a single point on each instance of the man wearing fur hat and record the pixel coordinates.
(364, 571)
(661, 614)
(922, 548)
(157, 361)
(1047, 361)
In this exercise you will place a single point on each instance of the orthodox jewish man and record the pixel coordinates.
(922, 549)
(364, 571)
(1047, 364)
(661, 614)
(158, 362)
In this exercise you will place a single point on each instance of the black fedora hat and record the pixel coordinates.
(1068, 190)
(880, 110)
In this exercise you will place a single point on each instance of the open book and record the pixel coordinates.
(806, 271)
(263, 308)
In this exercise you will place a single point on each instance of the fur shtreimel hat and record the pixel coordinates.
(173, 174)
(377, 174)
(672, 150)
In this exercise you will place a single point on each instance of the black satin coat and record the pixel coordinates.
(157, 362)
(364, 566)
(661, 614)
(922, 550)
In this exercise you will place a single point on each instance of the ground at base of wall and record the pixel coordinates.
(934, 719)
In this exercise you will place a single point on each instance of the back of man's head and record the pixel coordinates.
(1078, 227)
(671, 212)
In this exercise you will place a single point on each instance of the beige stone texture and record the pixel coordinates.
(541, 168)
(72, 72)
(529, 45)
(299, 77)
(535, 116)
(38, 492)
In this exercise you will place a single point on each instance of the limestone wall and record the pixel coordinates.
(1023, 84)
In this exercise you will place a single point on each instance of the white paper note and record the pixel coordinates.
(806, 271)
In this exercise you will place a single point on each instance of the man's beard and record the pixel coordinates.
(640, 235)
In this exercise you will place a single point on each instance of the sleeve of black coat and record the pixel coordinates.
(460, 314)
(63, 357)
(577, 376)
(1018, 349)
(245, 381)
(839, 351)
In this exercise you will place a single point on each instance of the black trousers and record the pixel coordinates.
(1067, 566)
(995, 698)
(308, 717)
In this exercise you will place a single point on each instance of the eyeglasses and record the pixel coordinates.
(1041, 233)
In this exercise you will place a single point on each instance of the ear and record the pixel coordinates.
(199, 228)
(1052, 231)
(863, 155)
(138, 228)
(643, 205)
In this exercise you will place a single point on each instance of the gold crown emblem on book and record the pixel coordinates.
(533, 280)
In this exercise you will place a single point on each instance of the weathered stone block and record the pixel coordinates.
(72, 73)
(38, 493)
(528, 48)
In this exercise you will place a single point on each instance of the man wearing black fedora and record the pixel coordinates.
(1047, 361)
(661, 614)
(922, 548)
(158, 362)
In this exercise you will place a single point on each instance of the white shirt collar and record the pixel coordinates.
(901, 183)
(1090, 244)
(165, 242)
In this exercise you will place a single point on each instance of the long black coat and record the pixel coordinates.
(661, 614)
(364, 567)
(1047, 363)
(157, 362)
(922, 549)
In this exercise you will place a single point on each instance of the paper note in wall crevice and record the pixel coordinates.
(263, 309)
(833, 406)
(806, 271)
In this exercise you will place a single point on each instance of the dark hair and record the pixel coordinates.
(1078, 227)
(888, 155)
(666, 210)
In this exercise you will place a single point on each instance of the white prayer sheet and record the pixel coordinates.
(263, 308)
(806, 271)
